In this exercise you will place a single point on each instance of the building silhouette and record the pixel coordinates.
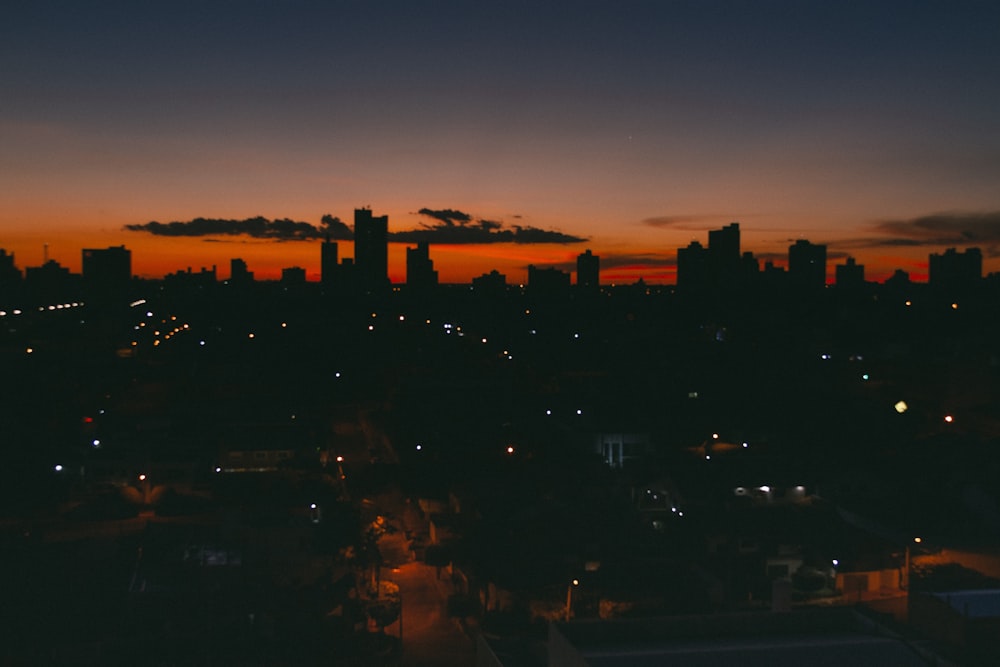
(807, 265)
(10, 275)
(720, 268)
(492, 284)
(692, 268)
(328, 262)
(548, 281)
(204, 279)
(724, 246)
(420, 273)
(371, 250)
(588, 271)
(954, 269)
(107, 271)
(293, 275)
(850, 275)
(238, 273)
(50, 282)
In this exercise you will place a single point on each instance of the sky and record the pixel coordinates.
(503, 133)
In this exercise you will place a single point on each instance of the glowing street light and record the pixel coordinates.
(569, 596)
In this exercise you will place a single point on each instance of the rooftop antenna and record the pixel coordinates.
(45, 254)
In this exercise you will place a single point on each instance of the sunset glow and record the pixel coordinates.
(871, 130)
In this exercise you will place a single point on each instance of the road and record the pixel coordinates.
(430, 636)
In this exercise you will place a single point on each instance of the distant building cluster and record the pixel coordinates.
(719, 268)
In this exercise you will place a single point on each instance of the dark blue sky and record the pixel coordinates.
(637, 125)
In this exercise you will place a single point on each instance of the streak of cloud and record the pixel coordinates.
(685, 222)
(282, 229)
(450, 227)
(935, 230)
(945, 228)
(453, 227)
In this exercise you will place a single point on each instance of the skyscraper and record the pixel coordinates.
(724, 257)
(692, 268)
(328, 261)
(588, 271)
(724, 245)
(807, 265)
(371, 249)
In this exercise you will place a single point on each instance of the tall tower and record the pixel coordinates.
(371, 249)
(328, 260)
(588, 271)
(724, 256)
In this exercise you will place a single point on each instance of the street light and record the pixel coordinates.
(906, 564)
(569, 596)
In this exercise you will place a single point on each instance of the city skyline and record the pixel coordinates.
(627, 130)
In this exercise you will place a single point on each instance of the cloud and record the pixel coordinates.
(946, 228)
(448, 216)
(449, 226)
(935, 230)
(687, 222)
(454, 227)
(281, 229)
(335, 228)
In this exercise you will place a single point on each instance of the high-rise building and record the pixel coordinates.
(850, 275)
(588, 271)
(807, 265)
(724, 257)
(724, 245)
(692, 268)
(328, 262)
(956, 269)
(9, 274)
(371, 249)
(420, 273)
(107, 269)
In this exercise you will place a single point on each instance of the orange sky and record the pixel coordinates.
(871, 128)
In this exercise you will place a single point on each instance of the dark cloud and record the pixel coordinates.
(458, 228)
(448, 216)
(946, 228)
(281, 229)
(449, 226)
(934, 231)
(335, 228)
